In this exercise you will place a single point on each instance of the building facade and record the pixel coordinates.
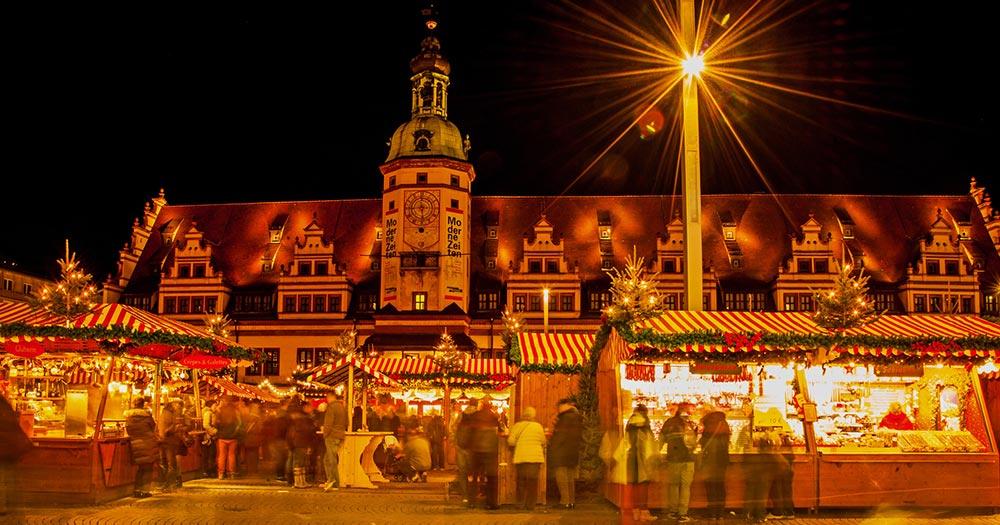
(17, 285)
(429, 255)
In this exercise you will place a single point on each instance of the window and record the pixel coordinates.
(184, 271)
(420, 301)
(266, 267)
(199, 270)
(737, 263)
(605, 234)
(670, 265)
(290, 304)
(319, 303)
(392, 181)
(169, 305)
(599, 300)
(951, 268)
(487, 301)
(734, 301)
(821, 266)
(520, 302)
(553, 302)
(805, 265)
(392, 205)
(8, 285)
(454, 204)
(534, 266)
(367, 302)
(455, 183)
(567, 302)
(551, 265)
(197, 305)
(936, 305)
(791, 302)
(322, 268)
(335, 303)
(920, 303)
(322, 355)
(305, 268)
(376, 265)
(211, 302)
(606, 263)
(272, 361)
(421, 178)
(670, 301)
(26, 289)
(933, 268)
(730, 234)
(966, 306)
(304, 358)
(534, 303)
(706, 301)
(304, 303)
(990, 304)
(183, 304)
(805, 303)
(885, 301)
(492, 233)
(491, 264)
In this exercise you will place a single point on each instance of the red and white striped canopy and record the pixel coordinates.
(336, 371)
(112, 315)
(554, 349)
(226, 387)
(498, 370)
(11, 313)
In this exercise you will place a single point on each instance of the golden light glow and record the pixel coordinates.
(693, 65)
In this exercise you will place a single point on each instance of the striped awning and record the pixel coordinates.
(554, 349)
(337, 371)
(11, 313)
(492, 371)
(489, 367)
(929, 325)
(227, 387)
(677, 322)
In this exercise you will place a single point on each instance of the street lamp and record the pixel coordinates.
(692, 66)
(545, 311)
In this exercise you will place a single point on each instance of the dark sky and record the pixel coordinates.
(281, 102)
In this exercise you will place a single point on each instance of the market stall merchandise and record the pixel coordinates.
(888, 413)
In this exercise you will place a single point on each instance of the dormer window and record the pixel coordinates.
(821, 266)
(322, 268)
(492, 233)
(730, 233)
(933, 268)
(199, 270)
(551, 266)
(804, 266)
(951, 268)
(534, 266)
(848, 231)
(183, 271)
(305, 268)
(422, 140)
(422, 178)
(605, 234)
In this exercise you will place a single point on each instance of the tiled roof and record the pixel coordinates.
(886, 230)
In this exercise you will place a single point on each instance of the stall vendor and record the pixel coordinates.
(895, 419)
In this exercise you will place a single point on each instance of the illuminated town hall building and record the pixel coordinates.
(429, 255)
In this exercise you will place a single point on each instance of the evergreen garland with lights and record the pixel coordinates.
(71, 295)
(847, 305)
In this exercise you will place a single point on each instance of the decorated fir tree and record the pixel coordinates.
(73, 294)
(513, 324)
(217, 324)
(634, 297)
(847, 304)
(447, 354)
(345, 344)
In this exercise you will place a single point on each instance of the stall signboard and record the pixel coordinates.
(205, 361)
(27, 350)
(718, 369)
(157, 350)
(900, 370)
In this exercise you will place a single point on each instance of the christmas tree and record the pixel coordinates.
(217, 324)
(70, 296)
(345, 344)
(513, 324)
(447, 355)
(634, 297)
(847, 305)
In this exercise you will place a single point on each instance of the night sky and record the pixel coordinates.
(284, 102)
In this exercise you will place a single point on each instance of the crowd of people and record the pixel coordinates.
(634, 458)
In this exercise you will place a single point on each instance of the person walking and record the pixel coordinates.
(274, 434)
(435, 434)
(463, 450)
(784, 474)
(564, 451)
(760, 466)
(484, 457)
(171, 432)
(230, 427)
(528, 439)
(714, 442)
(301, 437)
(209, 450)
(141, 431)
(252, 438)
(632, 461)
(334, 430)
(13, 444)
(680, 435)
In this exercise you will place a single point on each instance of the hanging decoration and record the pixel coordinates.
(634, 297)
(70, 296)
(847, 305)
(640, 372)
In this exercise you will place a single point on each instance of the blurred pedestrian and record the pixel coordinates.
(172, 431)
(209, 449)
(252, 423)
(714, 441)
(463, 450)
(13, 445)
(417, 456)
(334, 431)
(435, 434)
(484, 458)
(680, 434)
(632, 460)
(528, 439)
(230, 427)
(784, 473)
(564, 451)
(760, 467)
(141, 431)
(301, 437)
(274, 434)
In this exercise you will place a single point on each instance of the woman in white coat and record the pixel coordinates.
(528, 439)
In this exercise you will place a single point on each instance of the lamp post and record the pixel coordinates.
(692, 66)
(545, 311)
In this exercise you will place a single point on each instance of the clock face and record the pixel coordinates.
(421, 208)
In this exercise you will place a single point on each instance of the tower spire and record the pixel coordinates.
(430, 72)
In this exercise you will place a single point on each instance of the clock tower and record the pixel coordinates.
(426, 184)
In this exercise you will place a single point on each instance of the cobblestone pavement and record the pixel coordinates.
(212, 502)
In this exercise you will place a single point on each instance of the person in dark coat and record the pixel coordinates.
(142, 442)
(435, 434)
(714, 441)
(564, 451)
(334, 433)
(484, 454)
(301, 437)
(13, 444)
(274, 433)
(172, 432)
(230, 427)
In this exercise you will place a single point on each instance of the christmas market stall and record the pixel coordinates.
(72, 376)
(550, 365)
(890, 412)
